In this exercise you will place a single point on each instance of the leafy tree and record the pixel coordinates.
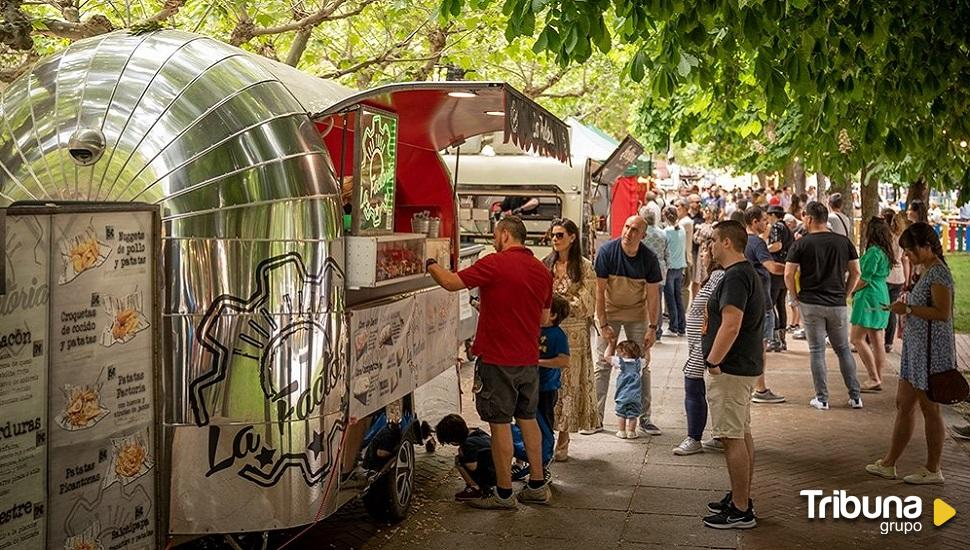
(875, 83)
(361, 43)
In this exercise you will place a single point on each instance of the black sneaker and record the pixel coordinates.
(520, 472)
(720, 505)
(732, 518)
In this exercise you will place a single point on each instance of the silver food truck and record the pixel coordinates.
(214, 316)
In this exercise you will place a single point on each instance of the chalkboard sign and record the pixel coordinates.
(623, 156)
(376, 166)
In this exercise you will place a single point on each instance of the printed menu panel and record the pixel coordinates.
(101, 406)
(438, 335)
(23, 383)
(102, 494)
(398, 346)
(382, 355)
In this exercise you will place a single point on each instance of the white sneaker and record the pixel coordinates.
(799, 334)
(494, 502)
(960, 432)
(855, 403)
(820, 405)
(713, 445)
(632, 435)
(878, 469)
(924, 477)
(591, 431)
(689, 446)
(622, 434)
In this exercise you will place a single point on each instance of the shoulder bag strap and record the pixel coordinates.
(929, 347)
(842, 221)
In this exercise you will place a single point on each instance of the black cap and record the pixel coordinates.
(776, 210)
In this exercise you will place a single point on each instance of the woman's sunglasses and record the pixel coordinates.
(559, 235)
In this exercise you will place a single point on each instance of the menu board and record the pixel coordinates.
(398, 346)
(101, 405)
(376, 168)
(23, 383)
(441, 321)
(383, 354)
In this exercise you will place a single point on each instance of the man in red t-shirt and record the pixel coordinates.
(516, 294)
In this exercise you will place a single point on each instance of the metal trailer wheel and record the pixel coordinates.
(389, 498)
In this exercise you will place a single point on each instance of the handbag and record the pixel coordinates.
(948, 387)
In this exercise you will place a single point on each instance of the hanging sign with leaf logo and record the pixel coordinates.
(376, 162)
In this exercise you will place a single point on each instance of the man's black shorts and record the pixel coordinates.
(506, 392)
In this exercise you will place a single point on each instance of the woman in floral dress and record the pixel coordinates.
(928, 348)
(573, 278)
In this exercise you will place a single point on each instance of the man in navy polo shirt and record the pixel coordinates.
(516, 296)
(627, 291)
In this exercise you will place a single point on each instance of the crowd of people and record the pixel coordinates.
(735, 275)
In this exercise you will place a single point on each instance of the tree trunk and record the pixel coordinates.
(870, 199)
(918, 190)
(788, 174)
(300, 42)
(762, 180)
(820, 190)
(794, 174)
(799, 173)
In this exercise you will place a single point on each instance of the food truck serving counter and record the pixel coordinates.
(295, 324)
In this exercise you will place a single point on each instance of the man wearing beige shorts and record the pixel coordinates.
(732, 344)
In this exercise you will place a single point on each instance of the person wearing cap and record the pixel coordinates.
(780, 239)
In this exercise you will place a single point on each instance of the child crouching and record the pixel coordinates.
(474, 460)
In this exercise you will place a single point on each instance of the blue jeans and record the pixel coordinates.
(769, 333)
(822, 321)
(675, 304)
(695, 401)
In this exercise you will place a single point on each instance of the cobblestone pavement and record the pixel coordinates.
(638, 495)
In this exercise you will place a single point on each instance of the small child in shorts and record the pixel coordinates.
(474, 460)
(628, 358)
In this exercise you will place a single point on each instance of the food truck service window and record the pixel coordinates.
(375, 161)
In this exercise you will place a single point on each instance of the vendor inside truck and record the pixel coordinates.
(519, 206)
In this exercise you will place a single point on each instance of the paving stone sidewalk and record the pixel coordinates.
(636, 494)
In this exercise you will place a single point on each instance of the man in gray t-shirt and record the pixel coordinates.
(839, 223)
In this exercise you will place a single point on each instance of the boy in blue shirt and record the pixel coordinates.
(553, 356)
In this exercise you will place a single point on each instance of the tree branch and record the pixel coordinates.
(169, 9)
(438, 38)
(8, 75)
(561, 95)
(534, 91)
(385, 57)
(300, 42)
(92, 26)
(326, 13)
